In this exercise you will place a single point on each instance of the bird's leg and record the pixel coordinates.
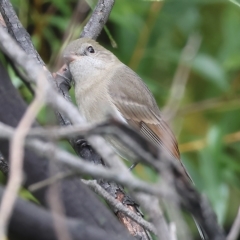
(82, 143)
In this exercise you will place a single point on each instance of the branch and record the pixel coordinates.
(155, 215)
(16, 159)
(170, 170)
(119, 206)
(181, 76)
(235, 229)
(187, 195)
(98, 19)
(80, 166)
(29, 221)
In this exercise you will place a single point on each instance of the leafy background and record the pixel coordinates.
(150, 38)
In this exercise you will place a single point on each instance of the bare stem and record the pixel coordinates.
(16, 159)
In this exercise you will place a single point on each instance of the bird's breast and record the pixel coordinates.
(94, 102)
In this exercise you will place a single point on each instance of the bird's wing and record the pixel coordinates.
(137, 105)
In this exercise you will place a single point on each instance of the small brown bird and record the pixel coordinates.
(104, 84)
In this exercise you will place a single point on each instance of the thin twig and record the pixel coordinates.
(16, 158)
(181, 76)
(119, 206)
(57, 177)
(56, 133)
(153, 209)
(155, 214)
(56, 206)
(99, 190)
(82, 167)
(235, 229)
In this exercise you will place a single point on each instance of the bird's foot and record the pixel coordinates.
(82, 143)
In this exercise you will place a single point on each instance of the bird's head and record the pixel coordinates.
(86, 58)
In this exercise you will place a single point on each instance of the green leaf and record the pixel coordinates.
(24, 193)
(16, 81)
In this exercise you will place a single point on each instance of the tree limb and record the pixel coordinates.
(30, 221)
(98, 19)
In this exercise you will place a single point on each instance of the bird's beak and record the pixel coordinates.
(70, 57)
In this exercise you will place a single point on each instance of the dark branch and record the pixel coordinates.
(29, 221)
(98, 19)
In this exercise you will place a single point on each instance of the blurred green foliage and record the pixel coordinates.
(151, 36)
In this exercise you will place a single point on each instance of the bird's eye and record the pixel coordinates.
(90, 49)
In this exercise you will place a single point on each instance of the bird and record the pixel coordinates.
(104, 84)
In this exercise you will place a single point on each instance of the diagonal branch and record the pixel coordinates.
(119, 206)
(98, 19)
(79, 166)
